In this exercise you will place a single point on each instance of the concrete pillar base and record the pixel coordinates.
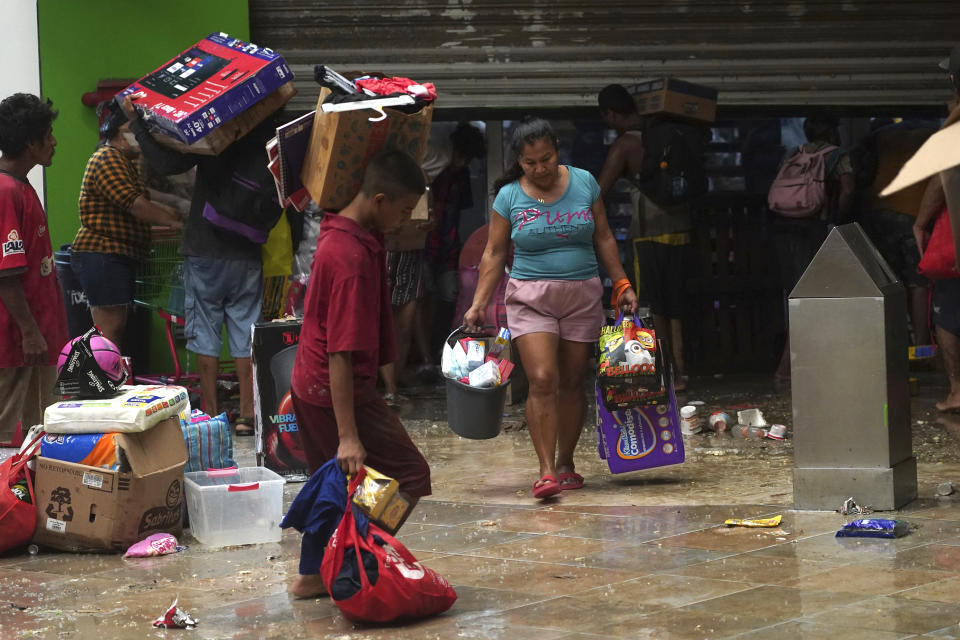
(883, 489)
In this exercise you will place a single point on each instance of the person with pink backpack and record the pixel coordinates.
(814, 188)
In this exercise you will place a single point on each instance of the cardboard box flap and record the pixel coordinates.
(940, 152)
(156, 449)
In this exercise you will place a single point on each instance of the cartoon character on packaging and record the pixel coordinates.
(636, 354)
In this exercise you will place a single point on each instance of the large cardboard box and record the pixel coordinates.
(677, 98)
(234, 129)
(83, 508)
(342, 143)
(278, 443)
(940, 152)
(207, 85)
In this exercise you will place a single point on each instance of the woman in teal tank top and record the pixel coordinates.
(555, 218)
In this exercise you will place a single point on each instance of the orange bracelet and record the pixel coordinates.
(619, 288)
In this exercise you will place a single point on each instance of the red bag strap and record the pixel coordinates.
(18, 460)
(354, 484)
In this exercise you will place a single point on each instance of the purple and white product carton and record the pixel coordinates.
(642, 438)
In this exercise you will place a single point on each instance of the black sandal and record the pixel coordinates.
(246, 422)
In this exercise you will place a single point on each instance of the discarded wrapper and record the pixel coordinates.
(850, 506)
(756, 522)
(874, 528)
(158, 544)
(175, 618)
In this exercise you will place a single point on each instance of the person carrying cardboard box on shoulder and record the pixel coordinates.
(348, 333)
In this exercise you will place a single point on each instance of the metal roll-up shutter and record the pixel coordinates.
(492, 54)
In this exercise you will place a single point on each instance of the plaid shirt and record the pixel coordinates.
(111, 184)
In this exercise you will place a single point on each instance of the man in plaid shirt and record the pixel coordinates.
(115, 218)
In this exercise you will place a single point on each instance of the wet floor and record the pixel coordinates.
(641, 555)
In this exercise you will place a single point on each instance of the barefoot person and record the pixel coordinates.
(347, 335)
(555, 217)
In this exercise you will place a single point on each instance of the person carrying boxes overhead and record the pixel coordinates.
(348, 334)
(222, 268)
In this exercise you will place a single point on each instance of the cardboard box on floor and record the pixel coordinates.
(226, 134)
(677, 98)
(342, 143)
(83, 508)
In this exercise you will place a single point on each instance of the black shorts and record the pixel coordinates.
(107, 278)
(946, 305)
(663, 276)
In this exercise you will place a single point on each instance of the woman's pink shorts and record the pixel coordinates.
(569, 308)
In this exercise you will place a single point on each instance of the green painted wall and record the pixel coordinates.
(84, 42)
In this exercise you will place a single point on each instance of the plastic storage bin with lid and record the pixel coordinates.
(234, 506)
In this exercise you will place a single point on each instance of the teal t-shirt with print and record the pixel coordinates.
(552, 241)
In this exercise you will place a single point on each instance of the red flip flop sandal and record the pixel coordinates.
(545, 487)
(570, 480)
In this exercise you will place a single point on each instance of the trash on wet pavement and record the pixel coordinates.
(175, 618)
(850, 506)
(751, 418)
(874, 528)
(158, 544)
(754, 522)
(777, 432)
(719, 421)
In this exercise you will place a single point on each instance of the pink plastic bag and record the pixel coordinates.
(159, 544)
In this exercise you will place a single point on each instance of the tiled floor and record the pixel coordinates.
(640, 556)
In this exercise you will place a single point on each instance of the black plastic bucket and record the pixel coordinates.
(74, 299)
(474, 412)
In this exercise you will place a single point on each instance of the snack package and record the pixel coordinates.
(91, 449)
(500, 342)
(175, 618)
(158, 544)
(379, 497)
(134, 409)
(628, 366)
(874, 528)
(756, 522)
(486, 375)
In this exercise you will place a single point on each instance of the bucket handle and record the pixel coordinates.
(462, 330)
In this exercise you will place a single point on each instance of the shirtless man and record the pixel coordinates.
(661, 236)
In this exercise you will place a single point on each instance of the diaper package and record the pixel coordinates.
(91, 449)
(134, 409)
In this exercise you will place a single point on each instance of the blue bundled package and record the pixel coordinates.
(874, 528)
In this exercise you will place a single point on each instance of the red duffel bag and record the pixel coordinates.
(18, 517)
(387, 584)
(939, 260)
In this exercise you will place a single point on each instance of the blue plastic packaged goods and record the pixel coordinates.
(92, 449)
(874, 528)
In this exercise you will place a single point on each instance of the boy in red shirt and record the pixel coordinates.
(33, 323)
(348, 333)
